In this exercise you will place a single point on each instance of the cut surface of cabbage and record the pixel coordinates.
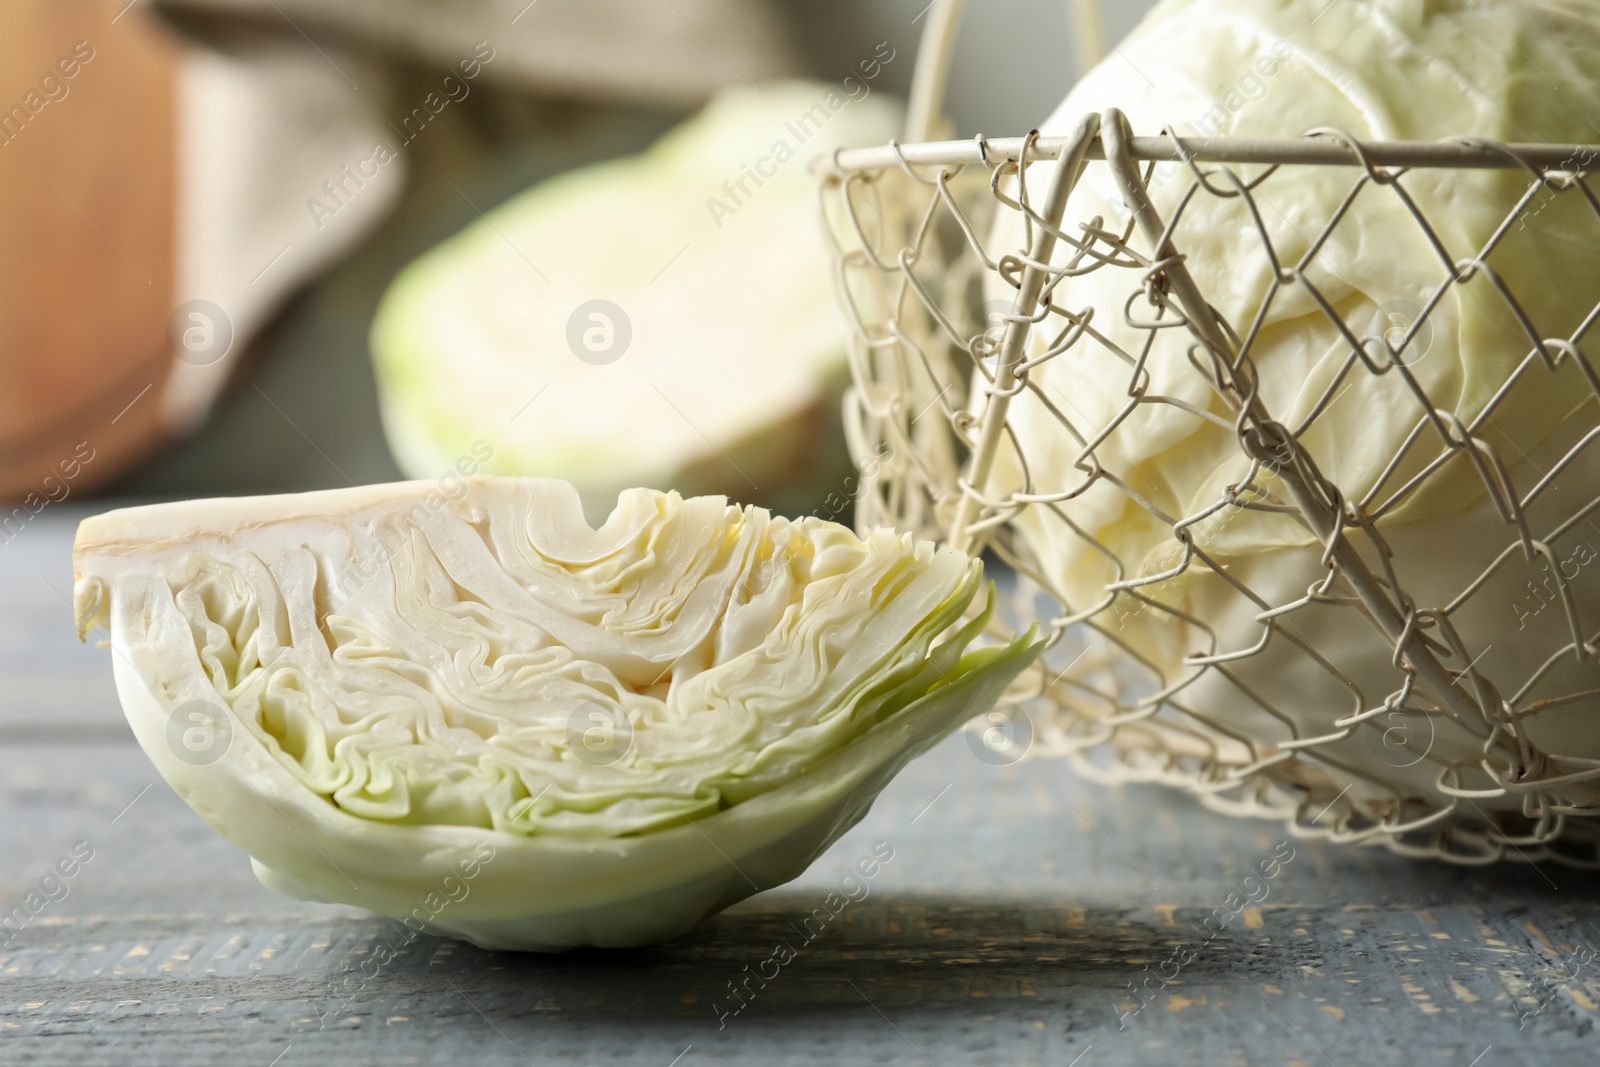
(672, 312)
(640, 723)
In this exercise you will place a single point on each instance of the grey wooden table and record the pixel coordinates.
(1020, 914)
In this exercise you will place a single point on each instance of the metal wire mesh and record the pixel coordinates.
(1346, 680)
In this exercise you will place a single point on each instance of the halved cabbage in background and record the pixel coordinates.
(618, 730)
(662, 319)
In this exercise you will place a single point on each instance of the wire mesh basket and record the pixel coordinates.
(1034, 399)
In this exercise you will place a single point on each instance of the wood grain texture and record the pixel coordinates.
(1019, 905)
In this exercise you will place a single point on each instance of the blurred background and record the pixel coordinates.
(206, 223)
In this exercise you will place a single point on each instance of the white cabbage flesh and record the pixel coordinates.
(642, 723)
(1379, 70)
(709, 245)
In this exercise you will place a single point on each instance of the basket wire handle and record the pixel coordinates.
(1074, 156)
(1115, 135)
(1319, 503)
(1089, 34)
(925, 107)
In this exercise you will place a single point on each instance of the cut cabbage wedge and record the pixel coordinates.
(461, 705)
(660, 319)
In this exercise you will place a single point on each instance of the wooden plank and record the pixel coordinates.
(1020, 914)
(1006, 925)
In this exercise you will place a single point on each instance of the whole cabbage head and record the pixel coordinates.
(1206, 639)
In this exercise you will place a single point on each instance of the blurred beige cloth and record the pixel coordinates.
(673, 52)
(260, 132)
